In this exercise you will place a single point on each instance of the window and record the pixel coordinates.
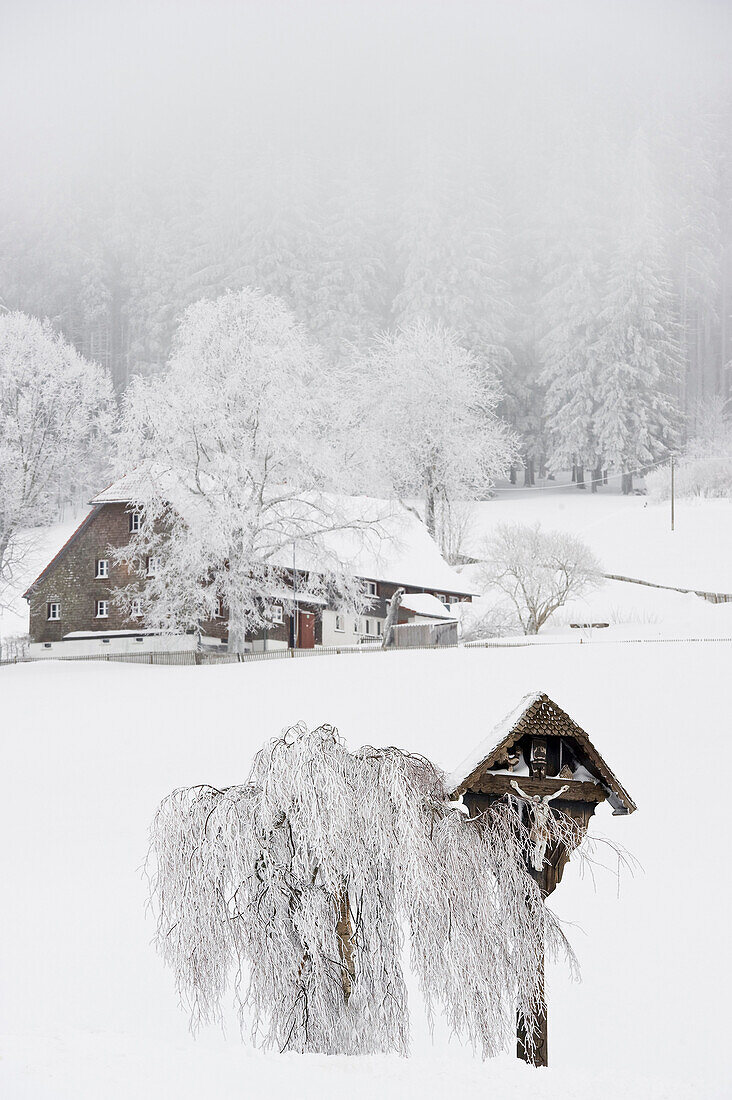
(443, 599)
(219, 609)
(378, 626)
(356, 629)
(102, 609)
(103, 567)
(135, 522)
(136, 609)
(339, 624)
(367, 626)
(371, 588)
(277, 616)
(153, 566)
(54, 612)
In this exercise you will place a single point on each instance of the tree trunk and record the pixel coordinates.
(596, 478)
(237, 632)
(536, 1053)
(626, 484)
(581, 477)
(430, 511)
(528, 472)
(346, 950)
(392, 616)
(512, 475)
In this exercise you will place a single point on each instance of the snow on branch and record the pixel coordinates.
(300, 885)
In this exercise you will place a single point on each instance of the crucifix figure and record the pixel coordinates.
(540, 813)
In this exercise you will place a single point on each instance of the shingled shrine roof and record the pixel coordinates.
(539, 715)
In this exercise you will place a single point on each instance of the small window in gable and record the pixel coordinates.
(53, 612)
(102, 568)
(135, 522)
(153, 566)
(277, 616)
(136, 609)
(219, 609)
(102, 609)
(371, 588)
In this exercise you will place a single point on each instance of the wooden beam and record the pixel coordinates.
(500, 783)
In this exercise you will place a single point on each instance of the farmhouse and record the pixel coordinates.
(73, 611)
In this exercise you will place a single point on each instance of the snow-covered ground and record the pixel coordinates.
(630, 535)
(87, 751)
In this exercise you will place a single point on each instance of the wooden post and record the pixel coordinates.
(672, 492)
(540, 1054)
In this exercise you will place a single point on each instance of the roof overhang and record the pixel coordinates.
(538, 714)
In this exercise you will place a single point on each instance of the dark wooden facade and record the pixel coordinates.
(71, 581)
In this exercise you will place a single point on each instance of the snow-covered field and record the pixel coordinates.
(88, 750)
(630, 535)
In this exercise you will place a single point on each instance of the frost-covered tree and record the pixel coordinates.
(705, 467)
(451, 256)
(235, 451)
(537, 570)
(56, 419)
(570, 372)
(637, 420)
(349, 300)
(299, 886)
(430, 412)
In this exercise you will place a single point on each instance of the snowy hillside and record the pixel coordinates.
(630, 535)
(88, 751)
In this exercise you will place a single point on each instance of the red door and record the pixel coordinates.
(305, 630)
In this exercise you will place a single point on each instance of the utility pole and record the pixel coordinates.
(672, 492)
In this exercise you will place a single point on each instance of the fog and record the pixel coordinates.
(370, 163)
(89, 83)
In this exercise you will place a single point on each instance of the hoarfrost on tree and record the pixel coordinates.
(56, 421)
(301, 884)
(432, 409)
(237, 457)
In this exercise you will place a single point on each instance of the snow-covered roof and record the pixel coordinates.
(122, 491)
(537, 712)
(375, 539)
(482, 752)
(422, 603)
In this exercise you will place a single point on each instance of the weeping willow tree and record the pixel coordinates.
(300, 886)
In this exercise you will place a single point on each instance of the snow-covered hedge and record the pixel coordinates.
(696, 475)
